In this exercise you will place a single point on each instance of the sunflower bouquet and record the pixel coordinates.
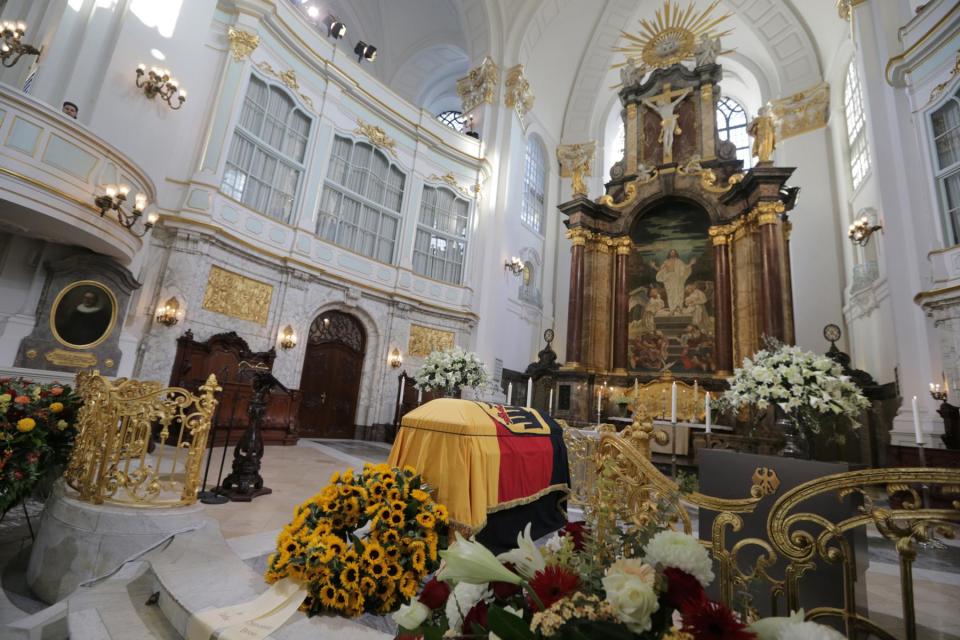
(364, 543)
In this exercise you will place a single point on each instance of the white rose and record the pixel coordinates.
(680, 551)
(809, 631)
(462, 599)
(632, 600)
(410, 616)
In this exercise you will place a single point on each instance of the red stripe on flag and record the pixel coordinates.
(526, 464)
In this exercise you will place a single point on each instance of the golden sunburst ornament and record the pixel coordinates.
(673, 36)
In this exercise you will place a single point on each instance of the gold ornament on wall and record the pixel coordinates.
(426, 340)
(803, 111)
(479, 86)
(237, 296)
(940, 88)
(672, 37)
(376, 135)
(450, 180)
(575, 161)
(518, 95)
(289, 78)
(242, 43)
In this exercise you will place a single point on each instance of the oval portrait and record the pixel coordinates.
(83, 314)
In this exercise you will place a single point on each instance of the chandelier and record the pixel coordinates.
(159, 82)
(11, 47)
(113, 199)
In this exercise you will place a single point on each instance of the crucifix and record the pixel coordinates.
(664, 107)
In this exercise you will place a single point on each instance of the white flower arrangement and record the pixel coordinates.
(678, 550)
(793, 627)
(451, 369)
(810, 388)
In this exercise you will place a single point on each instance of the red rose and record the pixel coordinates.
(578, 531)
(682, 589)
(21, 400)
(435, 593)
(504, 590)
(476, 616)
(56, 391)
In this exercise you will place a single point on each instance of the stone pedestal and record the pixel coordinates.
(79, 541)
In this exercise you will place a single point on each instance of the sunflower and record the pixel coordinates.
(341, 599)
(377, 569)
(384, 514)
(328, 595)
(409, 471)
(397, 505)
(385, 589)
(408, 585)
(394, 495)
(373, 553)
(440, 513)
(432, 540)
(420, 495)
(389, 537)
(396, 519)
(426, 520)
(351, 555)
(419, 560)
(350, 575)
(368, 586)
(392, 553)
(388, 604)
(334, 478)
(345, 490)
(394, 571)
(335, 544)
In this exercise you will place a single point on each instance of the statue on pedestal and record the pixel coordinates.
(763, 130)
(575, 160)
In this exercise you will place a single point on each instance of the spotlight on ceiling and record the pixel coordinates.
(335, 28)
(365, 51)
(313, 12)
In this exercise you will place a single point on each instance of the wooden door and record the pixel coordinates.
(332, 371)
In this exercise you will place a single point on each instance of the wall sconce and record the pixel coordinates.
(514, 265)
(939, 393)
(158, 82)
(365, 51)
(395, 359)
(11, 46)
(169, 313)
(288, 338)
(861, 230)
(113, 199)
(335, 28)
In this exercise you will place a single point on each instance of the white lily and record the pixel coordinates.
(526, 557)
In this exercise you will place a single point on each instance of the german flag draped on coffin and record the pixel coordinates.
(494, 467)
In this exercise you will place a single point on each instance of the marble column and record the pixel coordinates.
(771, 279)
(621, 305)
(578, 239)
(723, 299)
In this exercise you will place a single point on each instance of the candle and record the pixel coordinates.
(599, 397)
(529, 392)
(509, 393)
(402, 383)
(419, 397)
(550, 404)
(916, 422)
(636, 389)
(706, 410)
(673, 403)
(696, 394)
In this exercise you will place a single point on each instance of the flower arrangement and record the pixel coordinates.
(364, 543)
(37, 430)
(809, 388)
(450, 370)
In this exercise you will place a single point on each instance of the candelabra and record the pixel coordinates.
(938, 393)
(113, 199)
(169, 313)
(12, 48)
(158, 82)
(288, 338)
(861, 230)
(395, 359)
(514, 265)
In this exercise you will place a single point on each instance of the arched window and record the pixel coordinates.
(440, 247)
(620, 142)
(360, 206)
(945, 125)
(856, 127)
(453, 119)
(267, 153)
(732, 126)
(534, 186)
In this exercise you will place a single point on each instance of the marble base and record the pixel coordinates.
(78, 541)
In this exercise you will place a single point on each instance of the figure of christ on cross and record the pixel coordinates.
(664, 107)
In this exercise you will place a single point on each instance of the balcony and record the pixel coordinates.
(51, 167)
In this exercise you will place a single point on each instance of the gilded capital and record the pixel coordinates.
(242, 43)
(720, 234)
(624, 245)
(480, 85)
(578, 236)
(768, 211)
(603, 244)
(517, 94)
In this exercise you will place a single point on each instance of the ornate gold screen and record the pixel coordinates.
(111, 460)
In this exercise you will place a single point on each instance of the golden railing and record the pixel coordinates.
(112, 461)
(796, 541)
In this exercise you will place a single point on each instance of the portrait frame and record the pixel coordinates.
(64, 295)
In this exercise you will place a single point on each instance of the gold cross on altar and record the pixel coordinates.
(667, 94)
(663, 106)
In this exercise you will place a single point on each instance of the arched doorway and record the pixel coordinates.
(332, 370)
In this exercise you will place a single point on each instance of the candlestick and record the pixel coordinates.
(636, 389)
(706, 411)
(529, 392)
(916, 422)
(419, 397)
(599, 397)
(403, 382)
(509, 394)
(550, 403)
(673, 403)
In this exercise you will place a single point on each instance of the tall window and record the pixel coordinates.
(945, 122)
(267, 153)
(534, 185)
(360, 205)
(856, 126)
(732, 126)
(440, 248)
(453, 119)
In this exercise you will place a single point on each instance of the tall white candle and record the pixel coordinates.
(636, 388)
(509, 393)
(916, 422)
(706, 410)
(403, 382)
(599, 396)
(550, 404)
(696, 396)
(419, 397)
(673, 403)
(529, 392)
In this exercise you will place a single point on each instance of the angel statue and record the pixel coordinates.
(575, 161)
(707, 50)
(763, 130)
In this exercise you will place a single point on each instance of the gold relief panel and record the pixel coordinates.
(242, 43)
(518, 95)
(451, 180)
(73, 359)
(802, 112)
(426, 340)
(289, 78)
(376, 135)
(237, 296)
(479, 86)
